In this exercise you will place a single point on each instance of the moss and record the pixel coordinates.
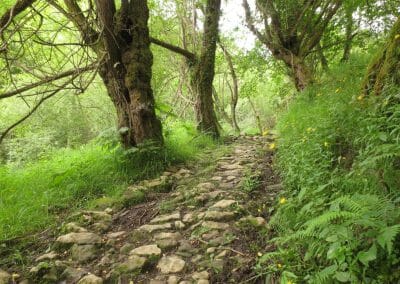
(385, 67)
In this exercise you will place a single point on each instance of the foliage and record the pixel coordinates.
(338, 155)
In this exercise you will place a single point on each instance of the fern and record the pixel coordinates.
(324, 275)
(327, 218)
(387, 236)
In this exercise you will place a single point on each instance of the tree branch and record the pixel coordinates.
(10, 14)
(189, 55)
(47, 80)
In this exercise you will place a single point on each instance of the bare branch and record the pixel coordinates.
(47, 80)
(189, 55)
(10, 14)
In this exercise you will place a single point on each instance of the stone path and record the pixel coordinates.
(197, 238)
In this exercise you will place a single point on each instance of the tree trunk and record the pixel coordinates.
(299, 70)
(234, 89)
(203, 72)
(349, 35)
(126, 72)
(385, 68)
(322, 57)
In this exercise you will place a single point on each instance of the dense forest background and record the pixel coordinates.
(322, 75)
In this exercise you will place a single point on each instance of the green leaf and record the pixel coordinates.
(342, 276)
(366, 256)
(383, 136)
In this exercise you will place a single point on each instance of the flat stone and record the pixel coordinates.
(101, 226)
(255, 221)
(126, 248)
(148, 250)
(109, 210)
(155, 281)
(230, 178)
(168, 235)
(167, 243)
(171, 264)
(217, 178)
(203, 281)
(173, 279)
(219, 216)
(83, 253)
(211, 250)
(179, 225)
(225, 203)
(133, 264)
(154, 228)
(91, 279)
(201, 275)
(222, 254)
(5, 277)
(188, 218)
(166, 218)
(72, 275)
(79, 238)
(75, 228)
(206, 185)
(231, 167)
(47, 256)
(210, 235)
(97, 216)
(215, 225)
(115, 235)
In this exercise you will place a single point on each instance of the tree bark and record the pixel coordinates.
(234, 89)
(385, 68)
(126, 72)
(322, 57)
(349, 35)
(203, 72)
(299, 70)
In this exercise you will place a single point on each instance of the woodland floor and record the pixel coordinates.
(200, 223)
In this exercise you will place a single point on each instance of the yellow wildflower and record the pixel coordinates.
(326, 144)
(282, 200)
(279, 265)
(265, 133)
(272, 146)
(360, 97)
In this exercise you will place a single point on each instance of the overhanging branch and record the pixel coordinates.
(47, 80)
(189, 55)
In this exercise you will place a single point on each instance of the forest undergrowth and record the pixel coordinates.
(338, 153)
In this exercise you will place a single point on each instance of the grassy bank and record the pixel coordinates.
(338, 153)
(32, 196)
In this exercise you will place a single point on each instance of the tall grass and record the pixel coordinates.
(33, 196)
(338, 153)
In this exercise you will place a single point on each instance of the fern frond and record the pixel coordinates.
(387, 237)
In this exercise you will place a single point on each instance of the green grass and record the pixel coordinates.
(33, 196)
(338, 155)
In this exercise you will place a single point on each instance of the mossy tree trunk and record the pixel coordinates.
(201, 68)
(385, 68)
(123, 51)
(203, 72)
